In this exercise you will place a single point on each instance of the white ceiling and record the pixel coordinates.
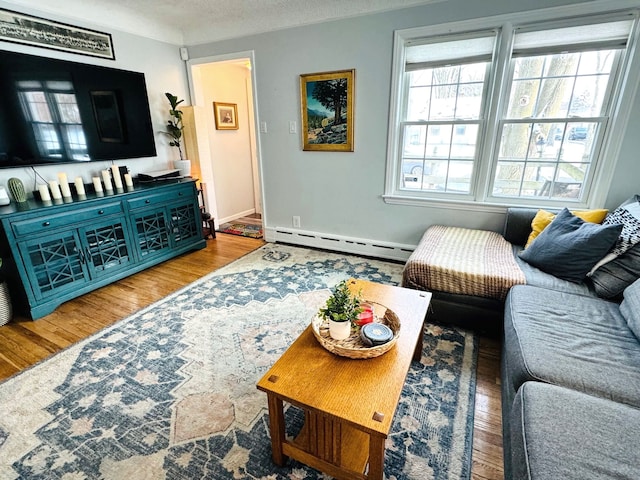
(191, 22)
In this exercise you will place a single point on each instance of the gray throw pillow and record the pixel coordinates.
(569, 247)
(613, 277)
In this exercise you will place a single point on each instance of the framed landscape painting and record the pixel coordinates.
(327, 110)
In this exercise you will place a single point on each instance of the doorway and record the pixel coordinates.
(228, 158)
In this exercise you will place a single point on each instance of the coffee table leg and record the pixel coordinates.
(276, 428)
(417, 353)
(376, 458)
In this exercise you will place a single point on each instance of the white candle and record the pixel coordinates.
(64, 185)
(79, 183)
(117, 179)
(44, 193)
(106, 178)
(97, 185)
(128, 180)
(55, 190)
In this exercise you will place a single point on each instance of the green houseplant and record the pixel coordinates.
(175, 127)
(341, 310)
(175, 130)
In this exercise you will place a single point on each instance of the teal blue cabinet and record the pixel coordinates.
(63, 251)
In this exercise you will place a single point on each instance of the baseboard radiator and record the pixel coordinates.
(339, 243)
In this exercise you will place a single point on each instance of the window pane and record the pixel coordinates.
(446, 93)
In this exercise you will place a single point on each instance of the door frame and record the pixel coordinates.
(196, 97)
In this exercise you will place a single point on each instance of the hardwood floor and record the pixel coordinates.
(24, 342)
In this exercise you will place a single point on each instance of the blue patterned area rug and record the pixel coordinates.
(170, 392)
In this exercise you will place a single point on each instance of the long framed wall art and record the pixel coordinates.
(16, 27)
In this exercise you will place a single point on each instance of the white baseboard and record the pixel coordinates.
(235, 216)
(358, 246)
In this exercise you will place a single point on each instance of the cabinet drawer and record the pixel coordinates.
(42, 224)
(183, 191)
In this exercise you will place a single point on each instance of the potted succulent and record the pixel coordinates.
(341, 310)
(174, 131)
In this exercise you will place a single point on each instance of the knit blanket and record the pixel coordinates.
(463, 261)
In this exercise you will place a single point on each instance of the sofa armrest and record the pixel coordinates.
(517, 224)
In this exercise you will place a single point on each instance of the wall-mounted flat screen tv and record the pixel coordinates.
(55, 111)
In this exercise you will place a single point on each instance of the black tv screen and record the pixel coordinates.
(55, 111)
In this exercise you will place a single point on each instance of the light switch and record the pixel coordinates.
(293, 128)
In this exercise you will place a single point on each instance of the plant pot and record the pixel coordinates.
(6, 311)
(339, 330)
(184, 166)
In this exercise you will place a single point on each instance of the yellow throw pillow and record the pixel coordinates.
(544, 218)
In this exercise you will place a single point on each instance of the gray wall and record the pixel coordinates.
(340, 193)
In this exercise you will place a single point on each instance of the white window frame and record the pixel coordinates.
(480, 197)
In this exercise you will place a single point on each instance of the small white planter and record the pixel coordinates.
(184, 166)
(339, 330)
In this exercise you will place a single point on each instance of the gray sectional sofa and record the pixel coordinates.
(570, 366)
(570, 373)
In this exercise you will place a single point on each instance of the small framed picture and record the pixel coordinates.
(226, 115)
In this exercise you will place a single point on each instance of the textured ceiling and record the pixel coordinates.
(191, 22)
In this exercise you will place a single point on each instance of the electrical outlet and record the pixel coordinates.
(296, 221)
(263, 127)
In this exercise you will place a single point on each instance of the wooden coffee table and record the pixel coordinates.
(348, 403)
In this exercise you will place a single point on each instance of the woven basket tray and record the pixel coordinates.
(353, 347)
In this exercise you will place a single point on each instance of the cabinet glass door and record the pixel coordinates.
(151, 232)
(54, 263)
(184, 226)
(106, 247)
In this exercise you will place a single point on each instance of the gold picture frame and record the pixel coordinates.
(226, 115)
(323, 97)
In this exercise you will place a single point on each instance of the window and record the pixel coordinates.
(52, 109)
(514, 114)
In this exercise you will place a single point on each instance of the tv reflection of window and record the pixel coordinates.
(52, 110)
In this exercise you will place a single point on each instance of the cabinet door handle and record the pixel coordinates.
(180, 194)
(147, 201)
(100, 212)
(46, 224)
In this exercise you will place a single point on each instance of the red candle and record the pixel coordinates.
(366, 316)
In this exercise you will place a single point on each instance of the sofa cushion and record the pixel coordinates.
(630, 307)
(569, 247)
(538, 278)
(544, 218)
(575, 341)
(562, 434)
(613, 277)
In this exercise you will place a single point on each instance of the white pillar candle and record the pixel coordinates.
(117, 179)
(64, 185)
(79, 183)
(128, 180)
(97, 185)
(44, 193)
(106, 178)
(55, 190)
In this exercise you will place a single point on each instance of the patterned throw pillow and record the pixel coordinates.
(628, 215)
